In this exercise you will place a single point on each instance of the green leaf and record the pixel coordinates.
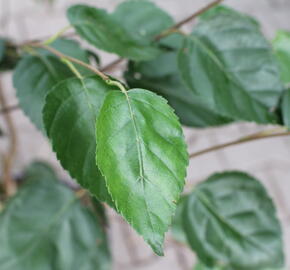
(2, 49)
(45, 227)
(161, 76)
(201, 266)
(142, 154)
(281, 45)
(229, 64)
(36, 75)
(230, 220)
(39, 170)
(285, 107)
(222, 10)
(73, 49)
(177, 223)
(69, 116)
(128, 32)
(143, 19)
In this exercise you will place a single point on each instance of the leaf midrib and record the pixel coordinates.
(140, 155)
(214, 213)
(216, 60)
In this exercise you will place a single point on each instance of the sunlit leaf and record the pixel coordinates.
(142, 154)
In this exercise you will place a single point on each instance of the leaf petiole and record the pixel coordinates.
(57, 35)
(118, 84)
(72, 67)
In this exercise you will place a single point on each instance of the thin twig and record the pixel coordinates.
(39, 40)
(111, 65)
(170, 30)
(72, 59)
(188, 19)
(256, 136)
(8, 159)
(9, 108)
(120, 60)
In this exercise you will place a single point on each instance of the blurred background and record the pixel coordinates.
(269, 160)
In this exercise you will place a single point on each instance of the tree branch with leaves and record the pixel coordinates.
(122, 140)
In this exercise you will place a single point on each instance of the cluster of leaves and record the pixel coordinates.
(125, 145)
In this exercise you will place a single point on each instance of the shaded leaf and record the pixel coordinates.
(142, 154)
(39, 170)
(177, 223)
(161, 76)
(8, 55)
(229, 64)
(45, 227)
(230, 220)
(73, 49)
(128, 32)
(285, 107)
(2, 48)
(201, 266)
(281, 45)
(36, 75)
(69, 116)
(224, 10)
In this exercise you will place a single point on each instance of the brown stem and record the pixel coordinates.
(187, 20)
(170, 30)
(256, 136)
(8, 158)
(9, 109)
(74, 60)
(111, 65)
(40, 40)
(37, 43)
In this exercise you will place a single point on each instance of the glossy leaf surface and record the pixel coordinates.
(69, 116)
(142, 154)
(128, 32)
(229, 220)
